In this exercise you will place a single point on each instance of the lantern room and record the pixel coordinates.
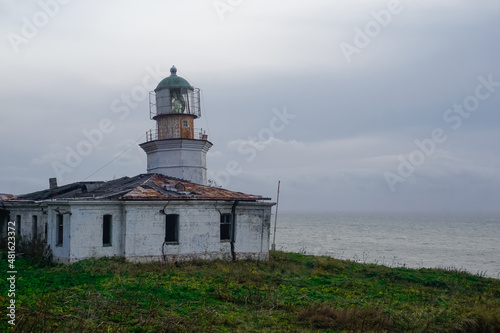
(174, 105)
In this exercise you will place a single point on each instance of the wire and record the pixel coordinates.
(123, 152)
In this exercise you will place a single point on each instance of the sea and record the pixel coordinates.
(415, 240)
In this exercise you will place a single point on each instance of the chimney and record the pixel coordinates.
(52, 183)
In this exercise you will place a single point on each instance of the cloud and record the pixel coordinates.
(56, 153)
(351, 173)
(353, 121)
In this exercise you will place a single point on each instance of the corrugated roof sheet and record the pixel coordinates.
(141, 187)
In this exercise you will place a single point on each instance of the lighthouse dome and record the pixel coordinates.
(173, 81)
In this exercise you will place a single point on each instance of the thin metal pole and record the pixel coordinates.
(276, 217)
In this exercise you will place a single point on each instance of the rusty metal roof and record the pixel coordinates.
(5, 197)
(139, 188)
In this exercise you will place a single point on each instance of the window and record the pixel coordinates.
(226, 223)
(172, 228)
(59, 229)
(185, 123)
(106, 230)
(34, 227)
(18, 224)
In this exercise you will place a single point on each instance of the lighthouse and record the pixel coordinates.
(174, 147)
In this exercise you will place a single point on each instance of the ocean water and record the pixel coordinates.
(467, 242)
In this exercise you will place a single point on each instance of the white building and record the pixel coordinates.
(167, 214)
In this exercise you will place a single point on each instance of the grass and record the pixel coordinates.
(289, 293)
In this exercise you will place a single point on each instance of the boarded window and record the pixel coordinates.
(59, 229)
(106, 230)
(34, 227)
(172, 228)
(226, 223)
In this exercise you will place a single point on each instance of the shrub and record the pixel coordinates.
(37, 252)
(324, 316)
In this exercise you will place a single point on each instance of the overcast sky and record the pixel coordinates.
(354, 105)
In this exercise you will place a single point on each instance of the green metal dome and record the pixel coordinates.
(173, 81)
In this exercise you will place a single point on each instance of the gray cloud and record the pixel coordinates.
(354, 121)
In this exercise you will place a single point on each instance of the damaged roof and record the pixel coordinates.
(5, 197)
(141, 187)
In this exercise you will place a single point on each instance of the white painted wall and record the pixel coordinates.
(87, 230)
(199, 230)
(26, 211)
(180, 158)
(138, 229)
(61, 253)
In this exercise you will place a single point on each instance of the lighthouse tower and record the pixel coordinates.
(174, 148)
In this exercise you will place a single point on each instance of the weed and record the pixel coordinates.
(290, 292)
(350, 319)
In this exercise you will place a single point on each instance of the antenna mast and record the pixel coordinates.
(273, 247)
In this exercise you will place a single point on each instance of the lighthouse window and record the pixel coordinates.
(18, 224)
(59, 230)
(172, 229)
(34, 226)
(106, 230)
(226, 221)
(185, 123)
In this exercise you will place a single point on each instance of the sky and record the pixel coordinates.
(353, 105)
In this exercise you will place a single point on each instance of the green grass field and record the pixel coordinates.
(289, 293)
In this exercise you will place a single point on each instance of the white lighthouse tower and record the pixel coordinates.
(174, 148)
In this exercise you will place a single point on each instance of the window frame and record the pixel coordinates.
(59, 230)
(226, 221)
(107, 232)
(172, 229)
(34, 227)
(18, 224)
